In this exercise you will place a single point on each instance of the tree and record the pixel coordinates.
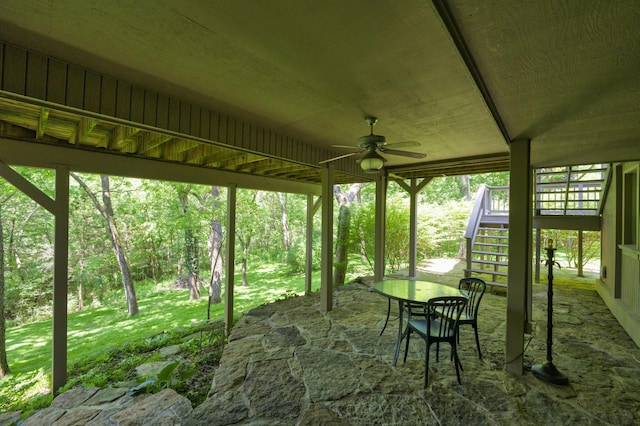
(344, 199)
(215, 251)
(4, 365)
(246, 226)
(191, 257)
(106, 210)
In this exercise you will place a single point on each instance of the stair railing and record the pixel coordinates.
(478, 211)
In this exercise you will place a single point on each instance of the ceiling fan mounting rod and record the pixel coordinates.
(370, 120)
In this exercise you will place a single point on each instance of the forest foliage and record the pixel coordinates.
(158, 222)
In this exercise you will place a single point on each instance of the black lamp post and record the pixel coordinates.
(547, 371)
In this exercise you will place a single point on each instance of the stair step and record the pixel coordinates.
(497, 237)
(488, 272)
(489, 262)
(489, 253)
(490, 244)
(493, 230)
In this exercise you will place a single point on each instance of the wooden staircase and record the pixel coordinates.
(566, 198)
(488, 236)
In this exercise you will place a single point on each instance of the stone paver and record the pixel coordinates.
(288, 363)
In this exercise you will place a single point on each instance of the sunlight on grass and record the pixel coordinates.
(96, 329)
(17, 389)
(93, 330)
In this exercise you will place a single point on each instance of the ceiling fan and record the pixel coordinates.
(372, 145)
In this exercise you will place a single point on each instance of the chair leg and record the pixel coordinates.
(387, 320)
(475, 328)
(457, 361)
(406, 346)
(426, 367)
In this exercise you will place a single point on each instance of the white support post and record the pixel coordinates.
(520, 219)
(230, 258)
(60, 279)
(326, 270)
(380, 234)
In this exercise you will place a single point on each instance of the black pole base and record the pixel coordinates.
(549, 373)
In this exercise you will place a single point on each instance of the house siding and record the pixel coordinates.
(619, 284)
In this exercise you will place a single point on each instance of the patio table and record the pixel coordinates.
(411, 291)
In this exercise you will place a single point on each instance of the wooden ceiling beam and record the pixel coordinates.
(122, 136)
(42, 122)
(149, 142)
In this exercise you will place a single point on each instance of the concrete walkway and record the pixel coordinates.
(288, 363)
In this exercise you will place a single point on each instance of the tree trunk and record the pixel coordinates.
(244, 243)
(4, 365)
(465, 188)
(123, 262)
(190, 248)
(215, 285)
(342, 246)
(245, 280)
(82, 265)
(285, 222)
(344, 200)
(106, 211)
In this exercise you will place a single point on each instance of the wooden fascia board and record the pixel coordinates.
(34, 154)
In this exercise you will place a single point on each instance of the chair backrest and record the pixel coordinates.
(474, 289)
(447, 312)
(415, 309)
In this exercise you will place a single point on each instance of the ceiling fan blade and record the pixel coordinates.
(403, 153)
(354, 148)
(337, 158)
(404, 144)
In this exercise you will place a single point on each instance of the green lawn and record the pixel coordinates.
(94, 330)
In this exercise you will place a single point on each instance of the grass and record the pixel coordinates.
(94, 332)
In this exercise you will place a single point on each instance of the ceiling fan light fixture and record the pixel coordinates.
(371, 162)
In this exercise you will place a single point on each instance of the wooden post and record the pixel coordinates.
(326, 272)
(60, 277)
(380, 234)
(519, 294)
(230, 258)
(312, 208)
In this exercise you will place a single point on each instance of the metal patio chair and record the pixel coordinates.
(441, 327)
(474, 289)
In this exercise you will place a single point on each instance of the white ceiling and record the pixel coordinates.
(565, 74)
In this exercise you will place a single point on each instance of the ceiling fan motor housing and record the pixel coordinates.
(367, 141)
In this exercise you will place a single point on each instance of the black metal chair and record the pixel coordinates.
(474, 289)
(438, 323)
(414, 308)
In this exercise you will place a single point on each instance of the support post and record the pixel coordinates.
(312, 208)
(230, 258)
(326, 270)
(380, 234)
(537, 267)
(60, 279)
(413, 189)
(413, 230)
(580, 253)
(519, 278)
